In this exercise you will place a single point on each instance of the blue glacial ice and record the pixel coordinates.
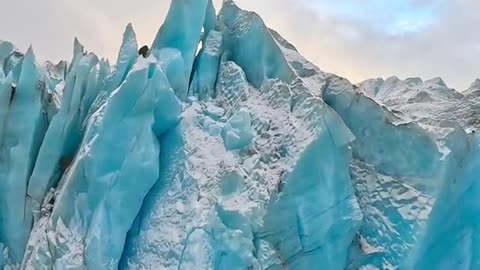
(206, 66)
(22, 134)
(237, 131)
(182, 30)
(248, 42)
(224, 148)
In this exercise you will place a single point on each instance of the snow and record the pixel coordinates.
(431, 102)
(243, 155)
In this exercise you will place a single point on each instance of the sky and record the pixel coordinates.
(356, 39)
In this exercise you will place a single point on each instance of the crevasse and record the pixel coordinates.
(239, 155)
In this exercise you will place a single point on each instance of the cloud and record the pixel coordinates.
(354, 39)
(352, 46)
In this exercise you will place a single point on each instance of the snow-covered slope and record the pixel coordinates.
(431, 102)
(241, 156)
(474, 90)
(449, 240)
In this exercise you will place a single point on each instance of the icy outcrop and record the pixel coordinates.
(63, 135)
(206, 66)
(409, 161)
(114, 184)
(474, 90)
(182, 30)
(449, 237)
(431, 102)
(214, 208)
(237, 132)
(242, 155)
(6, 48)
(248, 43)
(126, 59)
(22, 135)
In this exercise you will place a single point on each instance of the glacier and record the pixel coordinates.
(224, 148)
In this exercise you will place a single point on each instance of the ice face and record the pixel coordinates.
(451, 238)
(63, 137)
(6, 48)
(206, 67)
(182, 29)
(173, 64)
(242, 155)
(408, 193)
(126, 58)
(98, 181)
(237, 132)
(22, 135)
(1, 255)
(249, 44)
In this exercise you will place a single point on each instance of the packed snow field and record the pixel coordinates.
(240, 155)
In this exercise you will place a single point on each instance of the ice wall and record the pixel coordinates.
(182, 31)
(206, 66)
(23, 130)
(64, 133)
(243, 189)
(249, 43)
(403, 169)
(451, 239)
(416, 165)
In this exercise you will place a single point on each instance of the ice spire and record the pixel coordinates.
(182, 29)
(437, 80)
(6, 48)
(26, 123)
(7, 92)
(207, 65)
(127, 56)
(250, 45)
(475, 84)
(78, 52)
(210, 19)
(64, 133)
